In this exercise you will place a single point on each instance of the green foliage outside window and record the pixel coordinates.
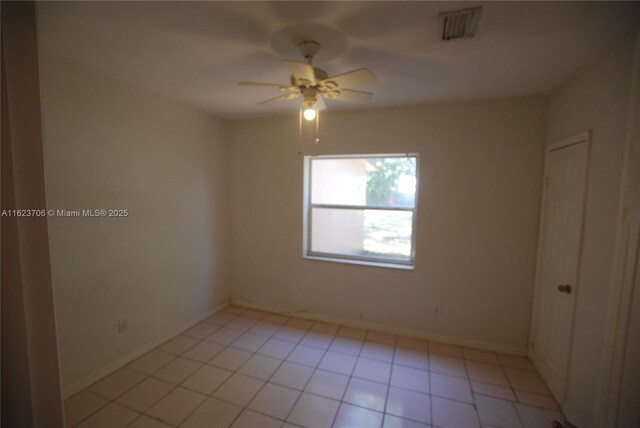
(383, 182)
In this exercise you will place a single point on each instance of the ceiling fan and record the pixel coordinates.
(313, 84)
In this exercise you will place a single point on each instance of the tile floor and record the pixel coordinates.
(246, 368)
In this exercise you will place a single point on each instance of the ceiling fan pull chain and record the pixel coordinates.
(300, 124)
(317, 127)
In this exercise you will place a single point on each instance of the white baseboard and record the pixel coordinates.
(453, 340)
(126, 359)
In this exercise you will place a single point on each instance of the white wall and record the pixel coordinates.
(480, 185)
(596, 98)
(111, 146)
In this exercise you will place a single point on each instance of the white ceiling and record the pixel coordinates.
(196, 52)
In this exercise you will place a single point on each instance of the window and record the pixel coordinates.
(361, 209)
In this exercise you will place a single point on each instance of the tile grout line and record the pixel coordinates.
(344, 393)
(309, 380)
(335, 335)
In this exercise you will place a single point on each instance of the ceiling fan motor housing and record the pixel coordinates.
(309, 49)
(310, 96)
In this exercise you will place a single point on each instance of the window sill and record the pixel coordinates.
(361, 262)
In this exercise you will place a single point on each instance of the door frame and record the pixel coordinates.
(584, 137)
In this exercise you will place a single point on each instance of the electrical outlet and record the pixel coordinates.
(437, 311)
(122, 325)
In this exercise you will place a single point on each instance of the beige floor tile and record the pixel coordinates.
(200, 331)
(377, 371)
(264, 328)
(177, 370)
(254, 314)
(299, 323)
(352, 332)
(313, 411)
(274, 400)
(444, 364)
(449, 413)
(239, 389)
(212, 413)
(409, 405)
(290, 334)
(487, 373)
(260, 366)
(327, 328)
(380, 337)
(251, 419)
(537, 400)
(353, 416)
(410, 378)
(110, 416)
(233, 310)
(306, 356)
(145, 394)
(456, 388)
(411, 358)
(535, 417)
(219, 319)
(338, 363)
(377, 351)
(480, 356)
(276, 319)
(502, 392)
(151, 362)
(327, 384)
(496, 412)
(292, 375)
(81, 406)
(516, 362)
(526, 381)
(178, 344)
(203, 351)
(145, 421)
(275, 348)
(207, 379)
(386, 381)
(365, 393)
(317, 340)
(346, 345)
(224, 336)
(230, 359)
(445, 349)
(117, 383)
(391, 421)
(241, 323)
(249, 342)
(176, 406)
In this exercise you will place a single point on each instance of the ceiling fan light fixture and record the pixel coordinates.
(309, 113)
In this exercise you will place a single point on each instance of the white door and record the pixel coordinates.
(558, 260)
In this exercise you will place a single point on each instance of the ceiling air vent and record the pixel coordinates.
(459, 23)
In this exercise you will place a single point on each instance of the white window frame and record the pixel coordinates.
(307, 253)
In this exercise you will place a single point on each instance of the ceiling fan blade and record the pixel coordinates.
(301, 71)
(269, 85)
(351, 96)
(361, 76)
(280, 98)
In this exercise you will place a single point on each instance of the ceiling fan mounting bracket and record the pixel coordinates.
(309, 49)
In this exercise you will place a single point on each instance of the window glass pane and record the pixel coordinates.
(385, 182)
(362, 233)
